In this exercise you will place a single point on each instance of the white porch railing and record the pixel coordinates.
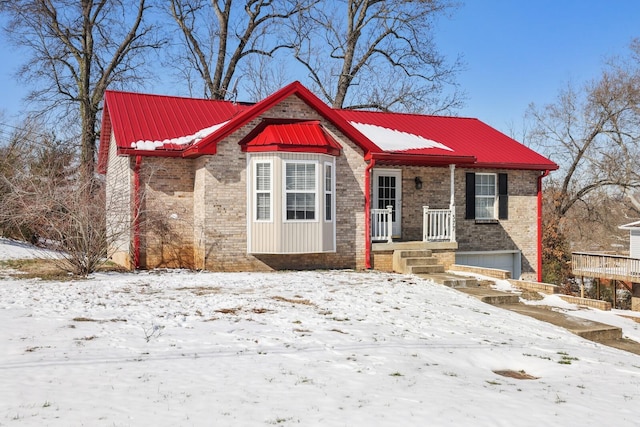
(439, 225)
(382, 224)
(605, 266)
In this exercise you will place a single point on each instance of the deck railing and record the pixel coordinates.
(382, 224)
(605, 266)
(439, 225)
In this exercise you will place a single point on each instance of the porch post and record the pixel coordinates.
(452, 201)
(389, 224)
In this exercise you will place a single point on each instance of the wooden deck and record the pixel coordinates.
(605, 266)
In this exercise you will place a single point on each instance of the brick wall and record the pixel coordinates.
(166, 218)
(119, 203)
(220, 234)
(517, 232)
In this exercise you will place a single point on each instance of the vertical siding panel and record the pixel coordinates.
(280, 235)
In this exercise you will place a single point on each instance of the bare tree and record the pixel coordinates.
(377, 54)
(594, 135)
(219, 34)
(76, 50)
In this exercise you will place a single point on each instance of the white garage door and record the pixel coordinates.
(503, 260)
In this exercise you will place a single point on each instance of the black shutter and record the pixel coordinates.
(503, 196)
(470, 211)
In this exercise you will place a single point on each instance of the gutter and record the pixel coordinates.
(544, 174)
(367, 213)
(136, 212)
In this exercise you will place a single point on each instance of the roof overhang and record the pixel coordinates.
(306, 136)
(517, 166)
(402, 159)
(631, 226)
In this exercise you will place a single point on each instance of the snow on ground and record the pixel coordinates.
(13, 249)
(331, 348)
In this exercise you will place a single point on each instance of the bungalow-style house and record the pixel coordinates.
(290, 183)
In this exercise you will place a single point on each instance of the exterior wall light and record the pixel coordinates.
(418, 182)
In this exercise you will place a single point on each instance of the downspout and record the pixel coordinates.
(540, 224)
(136, 212)
(367, 213)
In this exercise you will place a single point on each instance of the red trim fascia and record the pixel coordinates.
(295, 88)
(419, 159)
(545, 173)
(149, 153)
(136, 212)
(317, 149)
(517, 166)
(367, 214)
(105, 140)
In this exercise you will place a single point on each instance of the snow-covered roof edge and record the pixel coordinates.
(181, 140)
(394, 140)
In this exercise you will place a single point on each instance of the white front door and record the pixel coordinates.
(387, 191)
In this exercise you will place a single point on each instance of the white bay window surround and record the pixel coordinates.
(292, 200)
(263, 197)
(300, 190)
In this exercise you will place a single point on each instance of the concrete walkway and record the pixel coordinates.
(588, 329)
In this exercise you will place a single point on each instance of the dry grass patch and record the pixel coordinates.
(46, 269)
(89, 319)
(298, 300)
(233, 310)
(518, 375)
(201, 290)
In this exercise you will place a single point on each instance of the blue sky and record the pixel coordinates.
(516, 52)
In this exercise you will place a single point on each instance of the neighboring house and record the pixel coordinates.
(289, 183)
(634, 238)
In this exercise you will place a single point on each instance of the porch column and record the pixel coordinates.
(452, 201)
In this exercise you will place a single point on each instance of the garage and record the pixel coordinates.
(502, 260)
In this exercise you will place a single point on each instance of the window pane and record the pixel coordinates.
(328, 207)
(300, 176)
(263, 176)
(328, 193)
(485, 207)
(263, 204)
(301, 206)
(485, 185)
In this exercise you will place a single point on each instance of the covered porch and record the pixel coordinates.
(391, 208)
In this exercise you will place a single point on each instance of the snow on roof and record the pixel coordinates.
(631, 226)
(181, 140)
(395, 140)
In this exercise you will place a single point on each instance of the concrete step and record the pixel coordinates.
(450, 280)
(588, 329)
(594, 331)
(415, 253)
(425, 269)
(420, 261)
(491, 296)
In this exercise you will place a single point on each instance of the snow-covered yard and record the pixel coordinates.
(326, 348)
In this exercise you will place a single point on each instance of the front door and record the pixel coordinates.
(387, 191)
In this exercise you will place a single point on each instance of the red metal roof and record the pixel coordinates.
(136, 117)
(157, 119)
(308, 136)
(465, 137)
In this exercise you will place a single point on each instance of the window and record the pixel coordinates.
(263, 191)
(487, 196)
(300, 190)
(328, 191)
